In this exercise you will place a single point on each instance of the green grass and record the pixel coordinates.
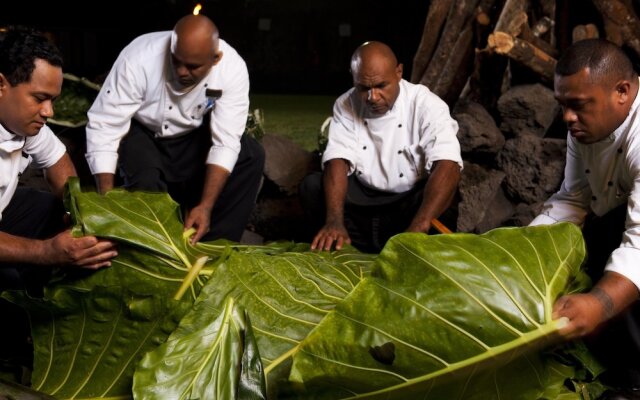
(297, 117)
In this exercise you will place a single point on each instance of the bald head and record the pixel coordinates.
(376, 77)
(372, 52)
(194, 33)
(194, 49)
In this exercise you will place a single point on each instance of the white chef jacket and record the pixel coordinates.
(600, 177)
(16, 152)
(138, 87)
(393, 151)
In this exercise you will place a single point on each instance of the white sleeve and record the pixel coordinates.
(342, 136)
(625, 259)
(439, 130)
(109, 118)
(44, 148)
(229, 116)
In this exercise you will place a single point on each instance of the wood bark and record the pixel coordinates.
(510, 10)
(436, 16)
(524, 53)
(459, 66)
(459, 15)
(621, 23)
(581, 32)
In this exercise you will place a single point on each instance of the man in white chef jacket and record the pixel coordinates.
(170, 117)
(597, 87)
(392, 162)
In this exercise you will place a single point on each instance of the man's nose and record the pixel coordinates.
(47, 109)
(373, 95)
(568, 115)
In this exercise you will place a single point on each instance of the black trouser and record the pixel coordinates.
(177, 166)
(371, 216)
(31, 214)
(617, 343)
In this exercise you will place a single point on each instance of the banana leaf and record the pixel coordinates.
(440, 309)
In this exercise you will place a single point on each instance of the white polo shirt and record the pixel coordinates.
(393, 151)
(600, 177)
(16, 152)
(138, 87)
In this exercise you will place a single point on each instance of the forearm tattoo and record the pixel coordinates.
(605, 300)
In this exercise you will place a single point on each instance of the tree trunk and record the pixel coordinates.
(438, 11)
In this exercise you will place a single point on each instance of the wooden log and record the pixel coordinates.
(510, 10)
(524, 53)
(436, 16)
(581, 32)
(459, 66)
(526, 33)
(621, 23)
(461, 12)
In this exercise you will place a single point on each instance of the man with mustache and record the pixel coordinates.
(392, 162)
(32, 229)
(171, 116)
(597, 87)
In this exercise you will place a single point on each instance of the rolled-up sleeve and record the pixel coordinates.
(229, 116)
(342, 136)
(438, 139)
(625, 260)
(109, 118)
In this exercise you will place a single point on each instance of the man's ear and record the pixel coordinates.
(399, 71)
(217, 56)
(623, 91)
(3, 83)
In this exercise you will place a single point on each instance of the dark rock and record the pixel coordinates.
(527, 110)
(287, 163)
(534, 167)
(478, 133)
(478, 187)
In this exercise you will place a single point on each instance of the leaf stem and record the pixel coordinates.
(191, 275)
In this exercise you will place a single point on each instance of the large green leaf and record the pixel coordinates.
(442, 307)
(87, 344)
(209, 356)
(286, 294)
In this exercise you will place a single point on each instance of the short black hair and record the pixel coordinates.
(606, 61)
(20, 47)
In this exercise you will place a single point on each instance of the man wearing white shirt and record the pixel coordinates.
(32, 234)
(392, 162)
(598, 90)
(171, 116)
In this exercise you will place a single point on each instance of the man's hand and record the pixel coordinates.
(612, 295)
(584, 311)
(85, 252)
(104, 182)
(329, 234)
(199, 218)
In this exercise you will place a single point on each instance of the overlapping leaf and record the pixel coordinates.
(209, 356)
(87, 344)
(442, 307)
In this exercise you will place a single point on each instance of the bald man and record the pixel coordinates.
(170, 117)
(392, 162)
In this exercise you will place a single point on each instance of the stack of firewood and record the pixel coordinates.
(493, 62)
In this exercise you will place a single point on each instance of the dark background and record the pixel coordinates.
(301, 52)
